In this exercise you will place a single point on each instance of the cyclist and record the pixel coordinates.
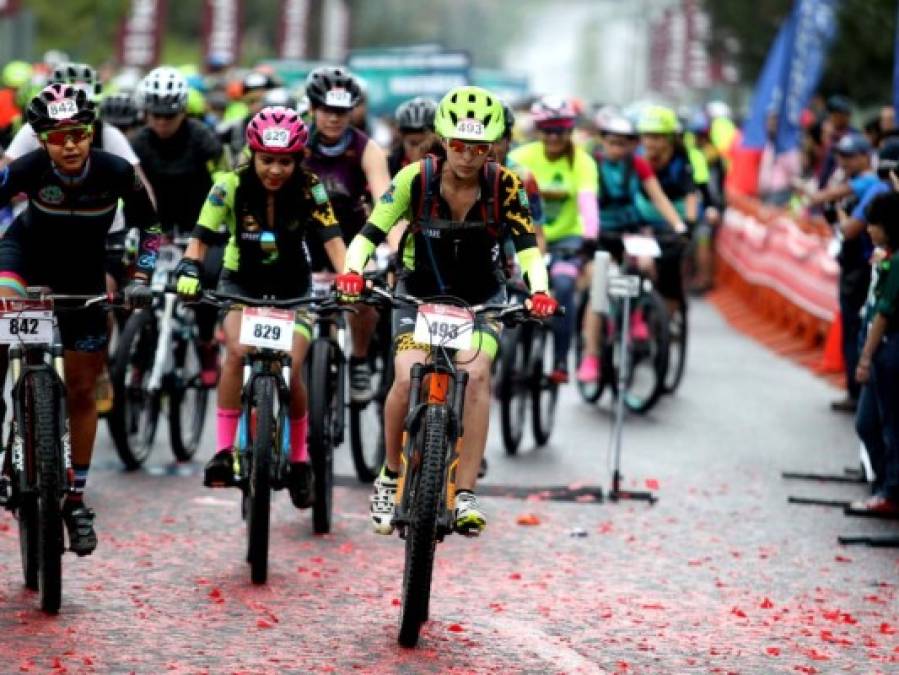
(14, 77)
(120, 111)
(459, 211)
(345, 160)
(415, 124)
(73, 191)
(270, 205)
(663, 148)
(180, 157)
(567, 179)
(233, 133)
(622, 176)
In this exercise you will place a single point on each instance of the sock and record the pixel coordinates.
(298, 450)
(75, 494)
(226, 428)
(391, 474)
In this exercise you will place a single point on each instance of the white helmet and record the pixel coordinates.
(163, 91)
(617, 125)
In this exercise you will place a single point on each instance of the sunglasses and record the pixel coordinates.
(62, 136)
(555, 131)
(477, 149)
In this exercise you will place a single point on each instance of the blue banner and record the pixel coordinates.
(792, 72)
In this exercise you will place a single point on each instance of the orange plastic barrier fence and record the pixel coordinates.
(777, 282)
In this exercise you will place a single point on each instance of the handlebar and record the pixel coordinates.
(322, 305)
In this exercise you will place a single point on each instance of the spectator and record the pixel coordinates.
(877, 420)
(837, 125)
(778, 171)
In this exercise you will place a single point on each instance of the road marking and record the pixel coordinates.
(543, 645)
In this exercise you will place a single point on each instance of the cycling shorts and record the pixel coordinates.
(302, 322)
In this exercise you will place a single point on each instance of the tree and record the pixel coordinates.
(860, 63)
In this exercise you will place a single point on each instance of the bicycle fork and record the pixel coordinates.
(440, 392)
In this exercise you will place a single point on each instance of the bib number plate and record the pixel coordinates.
(267, 328)
(639, 246)
(28, 327)
(340, 98)
(624, 286)
(443, 326)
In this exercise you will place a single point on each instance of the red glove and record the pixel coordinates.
(543, 305)
(349, 285)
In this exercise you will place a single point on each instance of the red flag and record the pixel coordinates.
(221, 30)
(141, 33)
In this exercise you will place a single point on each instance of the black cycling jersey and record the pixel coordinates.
(180, 171)
(60, 239)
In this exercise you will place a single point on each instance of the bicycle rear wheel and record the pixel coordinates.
(426, 485)
(512, 388)
(544, 392)
(259, 484)
(188, 398)
(134, 417)
(48, 453)
(648, 358)
(322, 402)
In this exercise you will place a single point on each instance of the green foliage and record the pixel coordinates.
(860, 63)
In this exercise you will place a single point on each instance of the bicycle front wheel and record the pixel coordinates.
(677, 348)
(426, 486)
(322, 405)
(188, 398)
(48, 452)
(367, 422)
(544, 392)
(512, 388)
(259, 484)
(134, 417)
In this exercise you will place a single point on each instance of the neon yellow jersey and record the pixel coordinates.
(559, 182)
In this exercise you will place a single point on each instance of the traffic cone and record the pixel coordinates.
(832, 359)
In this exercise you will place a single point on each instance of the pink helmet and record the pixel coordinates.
(553, 111)
(277, 130)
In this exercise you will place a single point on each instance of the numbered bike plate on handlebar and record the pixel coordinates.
(444, 326)
(624, 285)
(30, 326)
(267, 328)
(640, 246)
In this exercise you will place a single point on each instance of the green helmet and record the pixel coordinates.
(470, 114)
(658, 119)
(196, 103)
(16, 74)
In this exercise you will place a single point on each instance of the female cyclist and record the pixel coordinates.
(271, 206)
(566, 176)
(351, 166)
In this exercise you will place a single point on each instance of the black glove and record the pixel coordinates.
(138, 294)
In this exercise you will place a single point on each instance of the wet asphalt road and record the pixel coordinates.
(720, 575)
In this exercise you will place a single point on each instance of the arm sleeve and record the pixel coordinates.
(217, 209)
(643, 169)
(12, 268)
(139, 212)
(114, 142)
(515, 211)
(22, 143)
(17, 177)
(587, 183)
(531, 262)
(321, 214)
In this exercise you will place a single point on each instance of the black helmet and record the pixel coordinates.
(258, 80)
(119, 110)
(888, 158)
(80, 75)
(416, 114)
(59, 105)
(508, 120)
(334, 87)
(279, 96)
